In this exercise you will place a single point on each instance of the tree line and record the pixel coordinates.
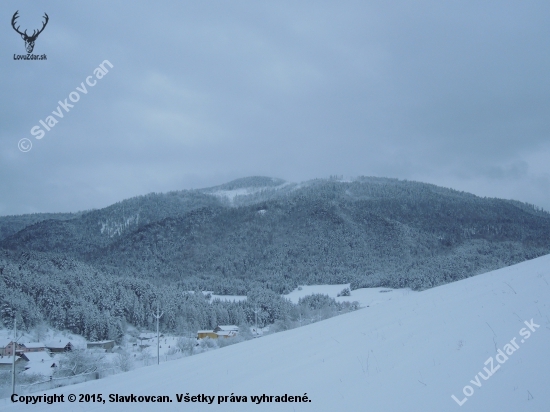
(71, 295)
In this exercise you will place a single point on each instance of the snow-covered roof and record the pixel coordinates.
(228, 327)
(205, 331)
(226, 333)
(57, 344)
(34, 345)
(35, 357)
(39, 364)
(7, 360)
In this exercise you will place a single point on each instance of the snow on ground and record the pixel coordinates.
(231, 194)
(167, 344)
(41, 363)
(365, 297)
(245, 191)
(409, 354)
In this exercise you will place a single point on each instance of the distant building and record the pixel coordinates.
(108, 345)
(3, 344)
(226, 333)
(36, 357)
(38, 363)
(59, 347)
(6, 362)
(220, 331)
(8, 349)
(146, 336)
(201, 334)
(226, 328)
(33, 347)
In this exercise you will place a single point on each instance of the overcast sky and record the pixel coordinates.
(454, 93)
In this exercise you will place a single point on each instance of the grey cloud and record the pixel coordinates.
(451, 93)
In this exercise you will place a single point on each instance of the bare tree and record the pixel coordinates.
(186, 345)
(40, 331)
(124, 361)
(81, 361)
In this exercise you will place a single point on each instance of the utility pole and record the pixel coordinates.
(13, 362)
(157, 317)
(15, 339)
(256, 319)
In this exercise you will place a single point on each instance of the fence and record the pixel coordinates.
(59, 382)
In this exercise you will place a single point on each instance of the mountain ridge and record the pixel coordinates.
(369, 231)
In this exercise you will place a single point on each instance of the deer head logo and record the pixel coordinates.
(29, 40)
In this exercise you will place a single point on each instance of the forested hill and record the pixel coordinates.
(10, 225)
(264, 231)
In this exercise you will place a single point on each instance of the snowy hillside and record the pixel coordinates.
(409, 354)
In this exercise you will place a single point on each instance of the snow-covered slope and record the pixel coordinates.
(409, 354)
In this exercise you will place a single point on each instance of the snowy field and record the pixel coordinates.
(410, 354)
(366, 296)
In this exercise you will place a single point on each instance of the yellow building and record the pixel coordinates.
(222, 331)
(201, 334)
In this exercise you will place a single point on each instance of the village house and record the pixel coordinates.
(3, 344)
(38, 363)
(59, 347)
(8, 349)
(33, 347)
(201, 334)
